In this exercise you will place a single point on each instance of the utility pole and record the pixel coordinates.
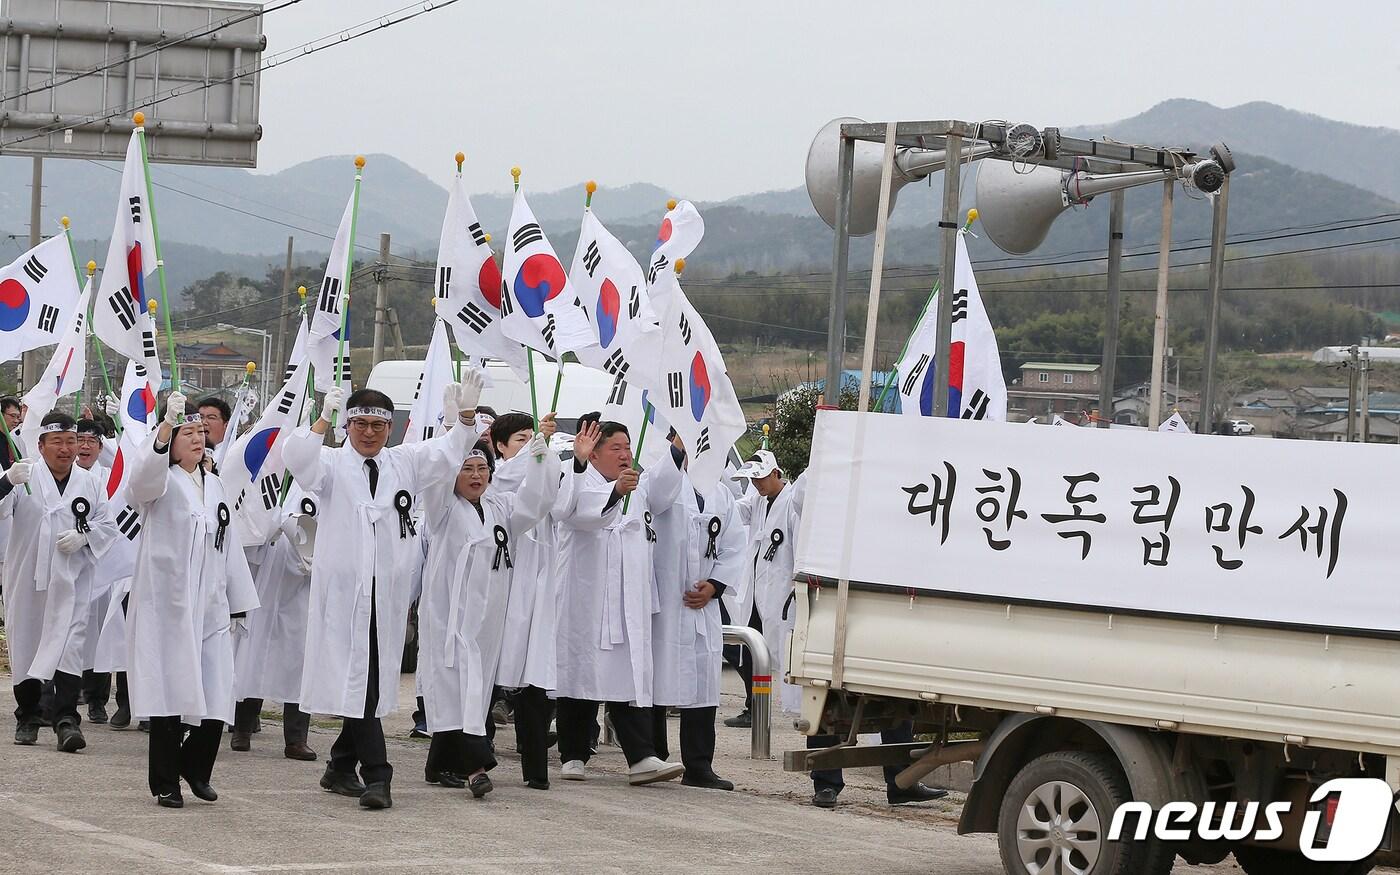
(1109, 368)
(381, 299)
(285, 309)
(1159, 321)
(1352, 364)
(1365, 397)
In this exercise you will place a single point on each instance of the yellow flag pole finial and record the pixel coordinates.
(972, 215)
(92, 268)
(301, 292)
(359, 162)
(461, 158)
(64, 222)
(680, 266)
(151, 306)
(488, 238)
(139, 119)
(671, 204)
(250, 368)
(589, 187)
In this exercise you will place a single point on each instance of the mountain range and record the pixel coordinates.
(1294, 169)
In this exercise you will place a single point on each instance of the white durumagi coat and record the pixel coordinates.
(693, 544)
(48, 593)
(100, 593)
(117, 566)
(607, 588)
(187, 582)
(769, 561)
(268, 664)
(363, 552)
(471, 573)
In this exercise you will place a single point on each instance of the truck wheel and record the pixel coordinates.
(1255, 860)
(1055, 816)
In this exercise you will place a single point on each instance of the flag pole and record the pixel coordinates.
(87, 324)
(310, 397)
(140, 121)
(345, 297)
(894, 370)
(529, 353)
(647, 411)
(589, 188)
(460, 158)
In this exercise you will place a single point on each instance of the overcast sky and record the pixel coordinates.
(713, 99)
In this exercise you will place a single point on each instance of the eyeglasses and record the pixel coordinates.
(374, 426)
(89, 439)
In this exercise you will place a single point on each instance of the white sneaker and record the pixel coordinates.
(651, 770)
(573, 770)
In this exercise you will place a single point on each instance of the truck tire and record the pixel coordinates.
(1055, 816)
(1255, 860)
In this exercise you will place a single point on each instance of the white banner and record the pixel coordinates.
(1293, 532)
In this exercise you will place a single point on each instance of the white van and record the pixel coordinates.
(583, 390)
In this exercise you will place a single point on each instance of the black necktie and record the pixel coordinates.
(373, 467)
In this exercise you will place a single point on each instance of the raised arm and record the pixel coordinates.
(429, 460)
(532, 501)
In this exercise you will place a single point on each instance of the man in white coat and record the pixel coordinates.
(60, 527)
(190, 578)
(606, 599)
(699, 554)
(368, 551)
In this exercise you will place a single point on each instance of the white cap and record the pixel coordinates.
(759, 465)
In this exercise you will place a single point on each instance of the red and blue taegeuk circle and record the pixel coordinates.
(141, 404)
(255, 453)
(489, 280)
(662, 234)
(14, 304)
(541, 278)
(609, 312)
(700, 388)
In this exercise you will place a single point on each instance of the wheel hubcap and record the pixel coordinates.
(1058, 831)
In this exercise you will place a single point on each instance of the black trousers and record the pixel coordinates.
(824, 778)
(734, 653)
(178, 751)
(97, 687)
(296, 724)
(29, 692)
(461, 754)
(122, 696)
(575, 719)
(697, 738)
(533, 710)
(361, 739)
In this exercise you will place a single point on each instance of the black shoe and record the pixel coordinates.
(537, 784)
(707, 782)
(70, 737)
(344, 783)
(742, 720)
(824, 798)
(240, 741)
(27, 733)
(444, 779)
(171, 800)
(419, 730)
(298, 750)
(97, 714)
(144, 726)
(916, 793)
(202, 790)
(376, 796)
(480, 785)
(120, 720)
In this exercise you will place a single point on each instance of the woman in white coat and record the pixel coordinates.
(190, 578)
(368, 552)
(699, 554)
(60, 526)
(606, 599)
(474, 534)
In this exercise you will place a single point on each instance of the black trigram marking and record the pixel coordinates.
(129, 523)
(330, 295)
(238, 503)
(35, 268)
(959, 305)
(656, 267)
(634, 303)
(911, 379)
(686, 333)
(976, 406)
(702, 445)
(135, 209)
(507, 305)
(475, 318)
(548, 330)
(48, 318)
(675, 385)
(525, 235)
(271, 488)
(444, 281)
(148, 342)
(429, 431)
(291, 369)
(418, 390)
(284, 404)
(477, 234)
(140, 370)
(79, 323)
(124, 307)
(619, 391)
(617, 364)
(342, 368)
(591, 257)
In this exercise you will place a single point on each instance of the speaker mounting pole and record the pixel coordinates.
(1113, 309)
(1217, 278)
(948, 225)
(836, 323)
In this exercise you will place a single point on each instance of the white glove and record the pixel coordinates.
(19, 472)
(450, 410)
(174, 408)
(331, 404)
(538, 447)
(112, 406)
(70, 541)
(290, 530)
(464, 395)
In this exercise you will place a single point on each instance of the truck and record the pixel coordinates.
(1070, 610)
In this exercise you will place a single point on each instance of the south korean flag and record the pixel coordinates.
(253, 471)
(38, 295)
(120, 317)
(539, 307)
